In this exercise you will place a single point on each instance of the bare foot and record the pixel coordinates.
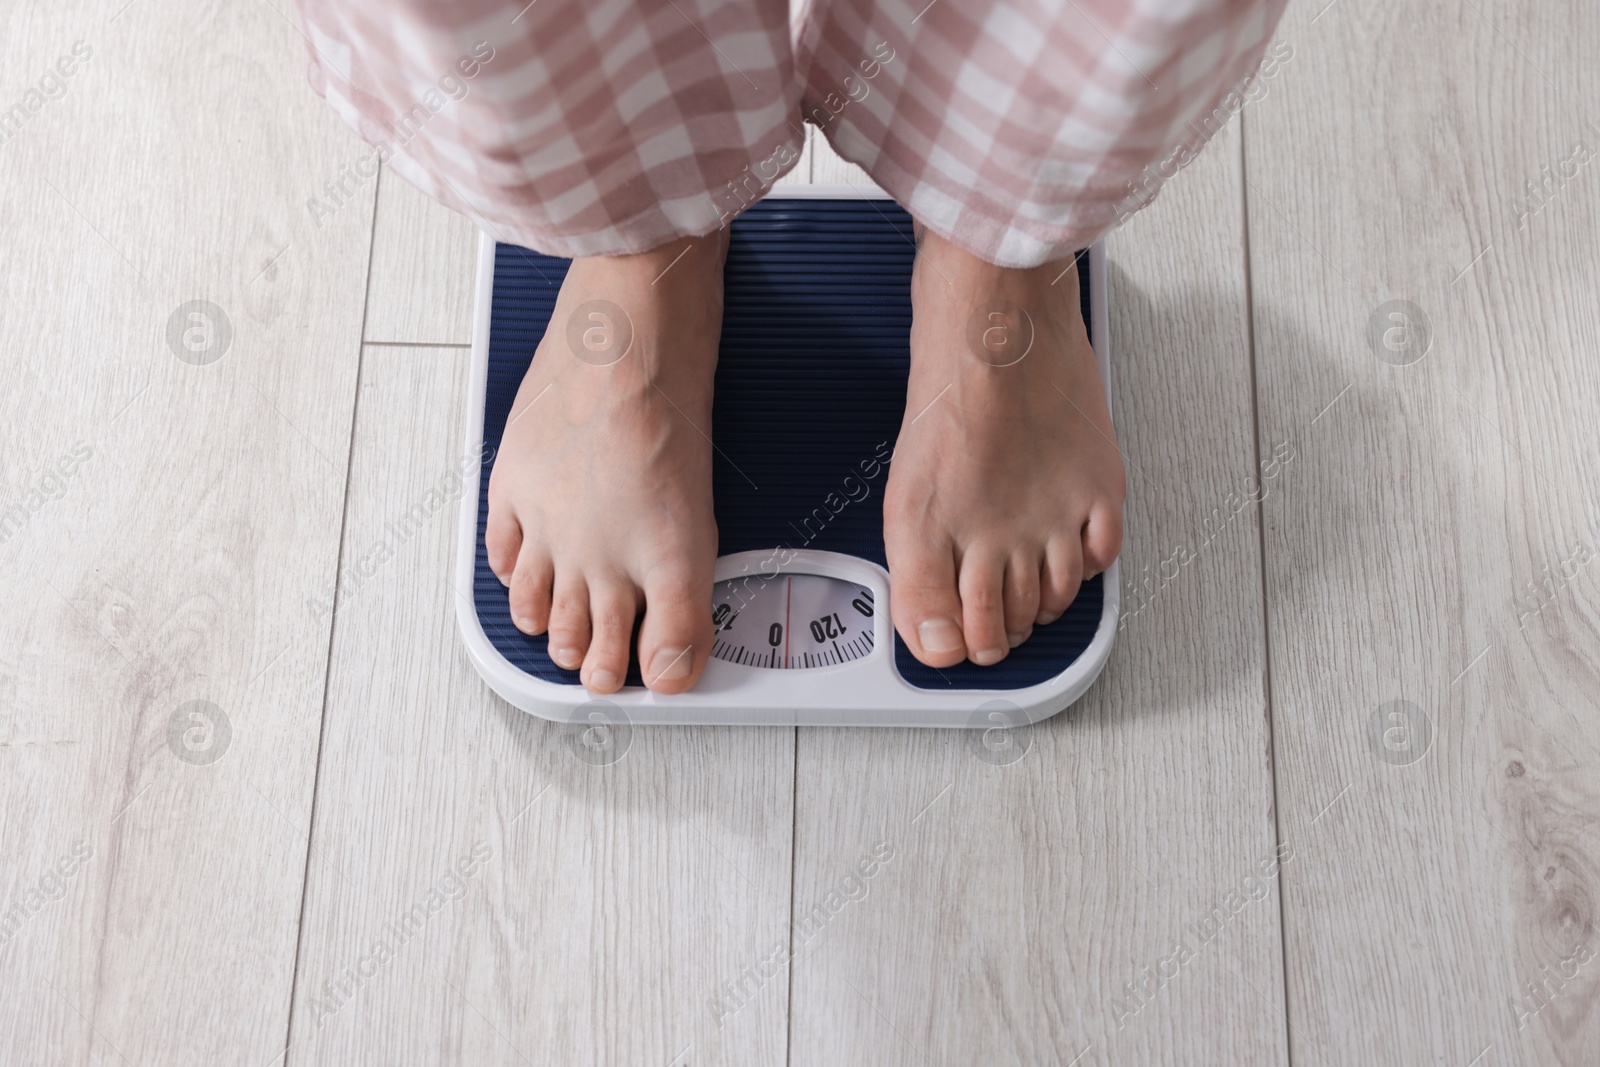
(1006, 486)
(600, 499)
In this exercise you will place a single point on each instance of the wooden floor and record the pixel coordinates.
(1336, 799)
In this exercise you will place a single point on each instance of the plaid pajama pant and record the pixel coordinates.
(1018, 129)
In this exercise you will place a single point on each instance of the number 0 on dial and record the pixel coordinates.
(791, 621)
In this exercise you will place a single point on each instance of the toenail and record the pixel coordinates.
(603, 680)
(1016, 639)
(988, 656)
(566, 658)
(1048, 618)
(671, 665)
(939, 635)
(524, 624)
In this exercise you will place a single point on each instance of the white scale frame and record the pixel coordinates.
(863, 692)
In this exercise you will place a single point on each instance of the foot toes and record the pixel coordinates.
(983, 624)
(502, 536)
(924, 603)
(530, 590)
(1102, 539)
(569, 621)
(1060, 578)
(612, 606)
(1022, 595)
(675, 638)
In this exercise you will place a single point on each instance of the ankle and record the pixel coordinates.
(947, 262)
(646, 323)
(656, 265)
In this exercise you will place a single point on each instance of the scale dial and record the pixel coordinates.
(790, 621)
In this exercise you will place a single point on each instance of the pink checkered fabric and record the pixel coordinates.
(1019, 129)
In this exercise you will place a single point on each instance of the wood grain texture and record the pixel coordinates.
(166, 520)
(801, 174)
(1431, 542)
(829, 168)
(1026, 906)
(420, 290)
(604, 906)
(472, 891)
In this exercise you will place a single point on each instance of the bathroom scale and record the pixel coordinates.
(810, 392)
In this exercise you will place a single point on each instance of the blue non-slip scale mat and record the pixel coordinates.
(810, 392)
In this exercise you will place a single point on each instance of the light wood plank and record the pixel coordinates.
(173, 563)
(608, 903)
(422, 269)
(1022, 900)
(801, 174)
(1440, 874)
(829, 168)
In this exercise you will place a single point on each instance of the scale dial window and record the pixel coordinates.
(791, 621)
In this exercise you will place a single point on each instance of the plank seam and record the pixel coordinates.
(794, 863)
(1261, 546)
(417, 344)
(333, 622)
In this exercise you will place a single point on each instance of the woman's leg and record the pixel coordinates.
(615, 133)
(578, 129)
(1015, 132)
(1023, 130)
